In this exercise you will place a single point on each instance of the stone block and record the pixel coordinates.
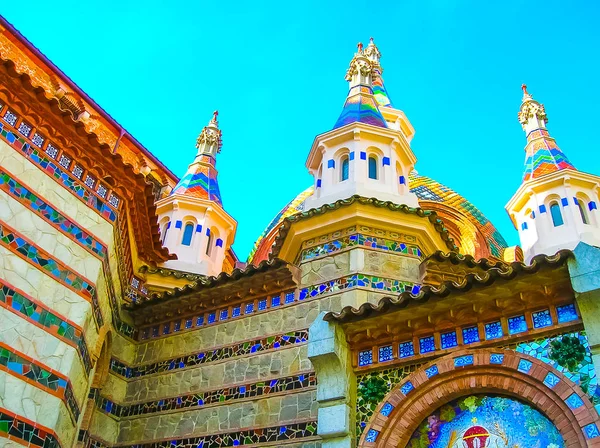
(334, 421)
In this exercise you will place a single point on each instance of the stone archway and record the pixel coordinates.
(485, 371)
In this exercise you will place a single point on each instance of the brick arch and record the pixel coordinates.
(464, 372)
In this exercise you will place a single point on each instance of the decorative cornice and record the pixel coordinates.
(141, 201)
(210, 282)
(502, 272)
(30, 61)
(431, 215)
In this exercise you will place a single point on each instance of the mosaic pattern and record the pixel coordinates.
(360, 107)
(425, 188)
(17, 244)
(359, 281)
(51, 215)
(479, 421)
(54, 324)
(42, 376)
(59, 174)
(543, 156)
(365, 409)
(360, 240)
(584, 376)
(470, 335)
(215, 316)
(30, 433)
(258, 389)
(200, 181)
(230, 351)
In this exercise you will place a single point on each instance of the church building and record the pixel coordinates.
(379, 308)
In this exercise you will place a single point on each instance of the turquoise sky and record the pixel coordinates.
(275, 71)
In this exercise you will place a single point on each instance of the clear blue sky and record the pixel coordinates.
(275, 71)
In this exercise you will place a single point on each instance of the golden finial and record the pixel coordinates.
(360, 47)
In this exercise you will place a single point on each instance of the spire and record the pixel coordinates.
(379, 91)
(209, 141)
(542, 154)
(200, 180)
(361, 106)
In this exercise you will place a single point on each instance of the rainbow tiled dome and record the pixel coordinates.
(472, 231)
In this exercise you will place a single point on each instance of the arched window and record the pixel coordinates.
(188, 232)
(166, 226)
(582, 211)
(557, 218)
(209, 243)
(372, 167)
(345, 168)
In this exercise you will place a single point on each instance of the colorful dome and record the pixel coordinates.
(473, 233)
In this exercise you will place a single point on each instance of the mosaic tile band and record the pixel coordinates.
(65, 225)
(36, 373)
(60, 175)
(286, 385)
(25, 249)
(257, 436)
(20, 303)
(471, 334)
(359, 281)
(213, 317)
(363, 241)
(26, 432)
(226, 352)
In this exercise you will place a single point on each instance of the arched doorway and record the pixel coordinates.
(466, 378)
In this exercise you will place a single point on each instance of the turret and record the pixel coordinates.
(556, 205)
(367, 152)
(194, 225)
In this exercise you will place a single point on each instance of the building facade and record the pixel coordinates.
(378, 308)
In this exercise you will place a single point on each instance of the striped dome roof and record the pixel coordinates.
(476, 233)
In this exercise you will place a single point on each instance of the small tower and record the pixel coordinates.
(193, 223)
(556, 205)
(367, 152)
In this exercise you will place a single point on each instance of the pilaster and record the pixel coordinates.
(584, 269)
(331, 357)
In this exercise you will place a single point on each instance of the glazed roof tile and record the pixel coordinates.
(360, 107)
(543, 156)
(200, 181)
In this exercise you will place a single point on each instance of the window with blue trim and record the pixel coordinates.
(345, 168)
(188, 231)
(372, 167)
(557, 219)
